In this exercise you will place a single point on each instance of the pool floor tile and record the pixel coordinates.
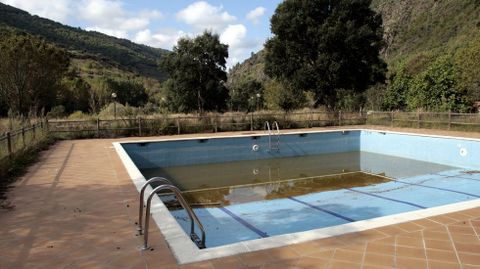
(76, 208)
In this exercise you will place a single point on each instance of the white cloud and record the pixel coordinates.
(57, 10)
(111, 18)
(202, 15)
(103, 13)
(166, 38)
(107, 31)
(235, 36)
(255, 14)
(134, 23)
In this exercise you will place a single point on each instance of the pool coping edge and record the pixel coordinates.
(185, 251)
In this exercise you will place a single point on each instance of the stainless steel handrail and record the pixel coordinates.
(275, 125)
(277, 129)
(142, 194)
(193, 218)
(269, 130)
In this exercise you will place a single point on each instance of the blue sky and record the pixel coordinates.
(243, 25)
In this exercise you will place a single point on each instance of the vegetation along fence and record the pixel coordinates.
(429, 120)
(14, 141)
(168, 125)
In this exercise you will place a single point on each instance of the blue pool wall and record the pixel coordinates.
(460, 153)
(217, 150)
(455, 152)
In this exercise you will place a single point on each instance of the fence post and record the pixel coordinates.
(98, 127)
(34, 131)
(139, 126)
(9, 144)
(392, 119)
(178, 125)
(418, 120)
(340, 118)
(46, 125)
(251, 122)
(23, 136)
(215, 124)
(449, 119)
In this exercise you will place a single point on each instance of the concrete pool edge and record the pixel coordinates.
(186, 251)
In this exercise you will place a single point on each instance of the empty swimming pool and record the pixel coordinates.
(250, 195)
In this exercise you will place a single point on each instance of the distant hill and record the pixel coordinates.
(251, 68)
(427, 26)
(107, 51)
(412, 27)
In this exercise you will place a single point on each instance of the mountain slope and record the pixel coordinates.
(108, 51)
(427, 26)
(412, 28)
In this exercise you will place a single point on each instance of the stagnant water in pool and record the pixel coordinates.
(229, 183)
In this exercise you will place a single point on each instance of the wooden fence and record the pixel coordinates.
(429, 120)
(14, 141)
(168, 125)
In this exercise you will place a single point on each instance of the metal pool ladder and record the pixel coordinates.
(272, 147)
(167, 185)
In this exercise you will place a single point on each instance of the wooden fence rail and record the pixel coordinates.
(194, 124)
(16, 140)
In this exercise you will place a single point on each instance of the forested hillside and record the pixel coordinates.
(432, 49)
(107, 51)
(427, 26)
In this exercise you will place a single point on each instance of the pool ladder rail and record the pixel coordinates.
(167, 185)
(276, 146)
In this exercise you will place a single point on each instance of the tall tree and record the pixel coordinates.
(30, 72)
(246, 95)
(197, 74)
(326, 45)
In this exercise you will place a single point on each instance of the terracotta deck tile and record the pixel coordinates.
(368, 266)
(312, 263)
(377, 248)
(462, 227)
(442, 219)
(461, 238)
(469, 258)
(77, 208)
(198, 265)
(322, 254)
(409, 226)
(291, 263)
(232, 262)
(443, 265)
(409, 241)
(410, 263)
(391, 230)
(348, 256)
(468, 247)
(439, 245)
(257, 258)
(437, 236)
(304, 249)
(440, 255)
(379, 260)
(390, 240)
(344, 265)
(408, 252)
(283, 253)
